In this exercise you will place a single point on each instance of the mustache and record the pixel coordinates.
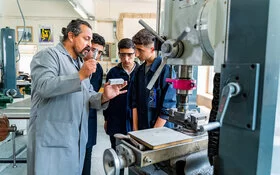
(84, 52)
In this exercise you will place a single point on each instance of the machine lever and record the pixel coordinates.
(146, 26)
(182, 36)
(230, 90)
(157, 73)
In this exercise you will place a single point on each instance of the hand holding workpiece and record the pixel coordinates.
(111, 91)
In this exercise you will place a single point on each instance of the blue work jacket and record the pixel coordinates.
(153, 103)
(118, 114)
(96, 82)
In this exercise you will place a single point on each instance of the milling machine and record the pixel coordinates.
(241, 39)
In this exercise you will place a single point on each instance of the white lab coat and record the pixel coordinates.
(57, 133)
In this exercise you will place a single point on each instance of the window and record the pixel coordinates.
(210, 75)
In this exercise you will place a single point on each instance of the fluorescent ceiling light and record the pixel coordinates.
(81, 12)
(72, 3)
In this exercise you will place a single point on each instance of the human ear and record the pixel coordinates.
(70, 36)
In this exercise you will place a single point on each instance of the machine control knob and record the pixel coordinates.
(182, 36)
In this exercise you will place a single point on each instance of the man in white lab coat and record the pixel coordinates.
(61, 96)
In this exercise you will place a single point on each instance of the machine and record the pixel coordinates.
(241, 40)
(8, 83)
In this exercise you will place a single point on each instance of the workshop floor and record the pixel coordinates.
(103, 143)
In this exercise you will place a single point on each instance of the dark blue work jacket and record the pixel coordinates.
(96, 81)
(153, 103)
(118, 114)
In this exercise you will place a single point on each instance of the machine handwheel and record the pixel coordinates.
(111, 162)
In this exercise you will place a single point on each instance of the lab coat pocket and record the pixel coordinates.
(57, 134)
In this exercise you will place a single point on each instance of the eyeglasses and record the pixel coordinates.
(100, 52)
(122, 55)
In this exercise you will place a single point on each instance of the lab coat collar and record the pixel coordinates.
(62, 49)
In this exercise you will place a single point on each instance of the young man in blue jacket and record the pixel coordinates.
(97, 47)
(150, 106)
(118, 115)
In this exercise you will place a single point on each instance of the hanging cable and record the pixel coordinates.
(23, 33)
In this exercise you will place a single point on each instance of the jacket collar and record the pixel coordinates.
(155, 64)
(120, 65)
(62, 49)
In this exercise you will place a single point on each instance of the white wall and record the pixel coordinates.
(58, 13)
(131, 26)
(108, 11)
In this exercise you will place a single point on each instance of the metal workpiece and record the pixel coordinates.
(148, 157)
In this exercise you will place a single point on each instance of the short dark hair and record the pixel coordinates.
(143, 37)
(98, 39)
(75, 27)
(126, 43)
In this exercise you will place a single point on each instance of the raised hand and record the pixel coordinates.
(111, 91)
